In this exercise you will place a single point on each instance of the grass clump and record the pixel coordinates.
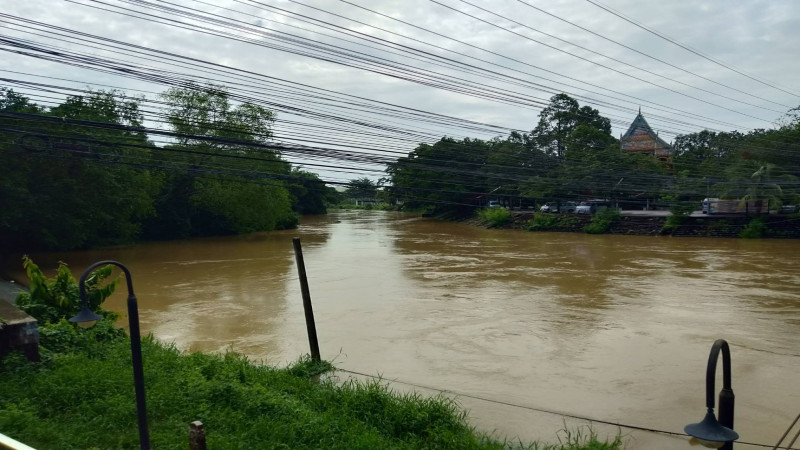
(546, 222)
(602, 221)
(85, 399)
(756, 228)
(495, 217)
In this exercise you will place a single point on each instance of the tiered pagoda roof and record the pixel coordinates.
(640, 138)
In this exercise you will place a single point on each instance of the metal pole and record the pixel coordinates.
(138, 370)
(726, 397)
(310, 326)
(136, 347)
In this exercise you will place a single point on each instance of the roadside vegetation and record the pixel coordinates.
(550, 222)
(602, 221)
(81, 394)
(756, 228)
(495, 217)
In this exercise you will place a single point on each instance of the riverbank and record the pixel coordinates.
(774, 226)
(240, 403)
(84, 378)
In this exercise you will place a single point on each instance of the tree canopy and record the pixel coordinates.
(84, 173)
(571, 155)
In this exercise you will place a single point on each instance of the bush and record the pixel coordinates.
(495, 217)
(602, 221)
(755, 229)
(544, 222)
(673, 222)
(53, 299)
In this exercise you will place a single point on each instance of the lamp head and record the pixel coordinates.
(709, 433)
(86, 316)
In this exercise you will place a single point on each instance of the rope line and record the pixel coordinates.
(548, 411)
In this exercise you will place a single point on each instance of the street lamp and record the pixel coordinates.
(710, 432)
(87, 315)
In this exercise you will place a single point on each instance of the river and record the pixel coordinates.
(616, 328)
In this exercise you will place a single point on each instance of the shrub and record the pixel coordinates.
(673, 222)
(495, 217)
(755, 229)
(53, 299)
(602, 221)
(542, 222)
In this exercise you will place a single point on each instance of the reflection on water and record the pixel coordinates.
(612, 327)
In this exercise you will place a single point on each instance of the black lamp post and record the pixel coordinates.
(710, 432)
(87, 315)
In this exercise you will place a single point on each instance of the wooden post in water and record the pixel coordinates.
(197, 436)
(310, 326)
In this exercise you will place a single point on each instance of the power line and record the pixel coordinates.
(662, 36)
(598, 64)
(606, 38)
(625, 63)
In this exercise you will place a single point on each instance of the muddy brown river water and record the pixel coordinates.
(616, 328)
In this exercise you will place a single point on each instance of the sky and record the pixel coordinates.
(377, 77)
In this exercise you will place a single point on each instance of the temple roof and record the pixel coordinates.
(641, 125)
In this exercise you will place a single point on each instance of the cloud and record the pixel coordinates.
(757, 38)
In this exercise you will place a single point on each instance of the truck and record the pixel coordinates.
(718, 206)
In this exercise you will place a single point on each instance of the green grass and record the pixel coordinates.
(82, 397)
(545, 222)
(495, 217)
(755, 229)
(673, 222)
(602, 221)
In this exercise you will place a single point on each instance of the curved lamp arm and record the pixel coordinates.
(136, 343)
(90, 269)
(711, 370)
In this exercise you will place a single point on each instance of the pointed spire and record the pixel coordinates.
(640, 110)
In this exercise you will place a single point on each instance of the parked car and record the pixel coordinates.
(592, 206)
(494, 204)
(553, 207)
(585, 208)
(789, 209)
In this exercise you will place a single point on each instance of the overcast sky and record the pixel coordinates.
(523, 61)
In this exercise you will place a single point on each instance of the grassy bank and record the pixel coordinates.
(82, 397)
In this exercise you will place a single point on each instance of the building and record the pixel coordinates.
(640, 138)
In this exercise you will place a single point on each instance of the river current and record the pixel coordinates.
(616, 328)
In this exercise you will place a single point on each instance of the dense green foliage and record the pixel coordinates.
(571, 155)
(602, 221)
(54, 299)
(81, 396)
(361, 189)
(495, 217)
(548, 222)
(93, 177)
(755, 229)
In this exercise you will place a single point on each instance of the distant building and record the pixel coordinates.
(640, 138)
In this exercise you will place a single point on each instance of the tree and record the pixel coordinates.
(361, 189)
(247, 194)
(560, 118)
(309, 194)
(448, 175)
(67, 185)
